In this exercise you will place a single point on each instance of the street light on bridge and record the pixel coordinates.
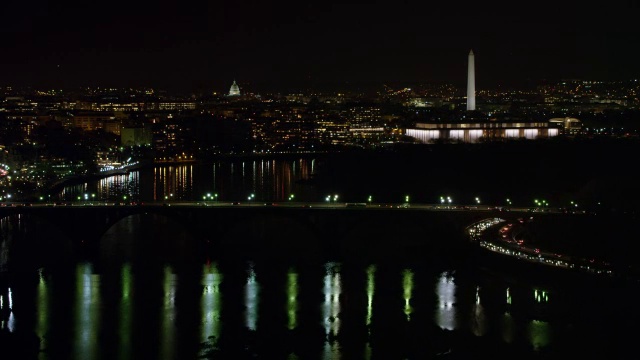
(331, 198)
(210, 197)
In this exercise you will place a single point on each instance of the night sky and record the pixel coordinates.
(279, 46)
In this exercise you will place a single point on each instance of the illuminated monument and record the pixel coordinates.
(235, 89)
(471, 83)
(473, 131)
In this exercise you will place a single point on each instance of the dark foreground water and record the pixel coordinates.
(134, 300)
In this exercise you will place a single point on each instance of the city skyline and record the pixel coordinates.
(281, 45)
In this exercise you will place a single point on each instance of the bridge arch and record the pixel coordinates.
(270, 235)
(148, 234)
(32, 241)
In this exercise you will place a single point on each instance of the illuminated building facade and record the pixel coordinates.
(481, 131)
(234, 90)
(91, 121)
(568, 125)
(139, 135)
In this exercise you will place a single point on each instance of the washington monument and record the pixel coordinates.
(471, 83)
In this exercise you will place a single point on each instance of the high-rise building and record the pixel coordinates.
(235, 89)
(471, 83)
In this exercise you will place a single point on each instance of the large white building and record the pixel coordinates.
(234, 90)
(471, 132)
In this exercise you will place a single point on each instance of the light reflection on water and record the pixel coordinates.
(168, 316)
(487, 310)
(446, 312)
(252, 299)
(211, 303)
(478, 320)
(407, 284)
(331, 306)
(87, 317)
(292, 299)
(126, 312)
(269, 180)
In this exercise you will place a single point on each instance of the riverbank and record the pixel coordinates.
(80, 179)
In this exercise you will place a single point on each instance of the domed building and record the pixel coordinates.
(235, 89)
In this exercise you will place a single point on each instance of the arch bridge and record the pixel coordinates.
(246, 230)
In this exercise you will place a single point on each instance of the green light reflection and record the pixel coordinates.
(292, 299)
(126, 307)
(508, 328)
(211, 303)
(539, 334)
(42, 325)
(168, 315)
(478, 320)
(407, 285)
(371, 270)
(87, 317)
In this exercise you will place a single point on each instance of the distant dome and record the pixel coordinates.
(235, 89)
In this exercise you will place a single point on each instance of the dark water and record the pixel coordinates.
(140, 297)
(148, 291)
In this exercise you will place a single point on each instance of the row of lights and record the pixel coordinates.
(328, 198)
